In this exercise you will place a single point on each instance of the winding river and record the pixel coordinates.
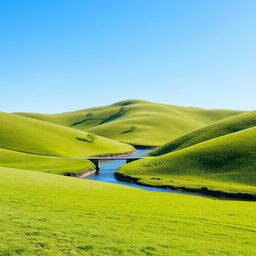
(109, 167)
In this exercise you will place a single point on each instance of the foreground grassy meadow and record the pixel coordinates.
(45, 214)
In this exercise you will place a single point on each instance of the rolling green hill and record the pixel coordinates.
(24, 141)
(223, 127)
(29, 135)
(44, 215)
(226, 163)
(137, 122)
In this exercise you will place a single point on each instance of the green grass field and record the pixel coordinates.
(45, 214)
(137, 122)
(226, 163)
(223, 127)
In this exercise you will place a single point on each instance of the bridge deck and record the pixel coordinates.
(97, 160)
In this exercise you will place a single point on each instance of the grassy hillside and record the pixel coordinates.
(226, 126)
(13, 159)
(44, 214)
(137, 122)
(226, 163)
(29, 135)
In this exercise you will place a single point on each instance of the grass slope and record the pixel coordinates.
(229, 125)
(29, 135)
(137, 122)
(44, 215)
(226, 163)
(13, 159)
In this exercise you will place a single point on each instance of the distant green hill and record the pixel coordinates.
(226, 126)
(29, 135)
(137, 122)
(226, 163)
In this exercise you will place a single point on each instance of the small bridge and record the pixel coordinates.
(97, 160)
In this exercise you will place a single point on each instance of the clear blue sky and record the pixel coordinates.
(57, 56)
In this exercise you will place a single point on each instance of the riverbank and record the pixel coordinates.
(85, 174)
(202, 190)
